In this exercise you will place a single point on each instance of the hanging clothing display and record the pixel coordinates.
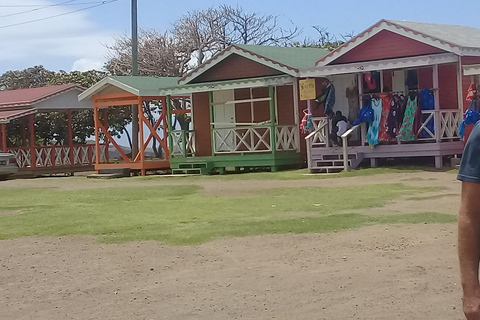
(407, 131)
(427, 102)
(372, 133)
(383, 134)
(327, 97)
(395, 116)
(353, 103)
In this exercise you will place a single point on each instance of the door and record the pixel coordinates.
(224, 117)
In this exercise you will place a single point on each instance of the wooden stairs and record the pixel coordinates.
(332, 162)
(192, 167)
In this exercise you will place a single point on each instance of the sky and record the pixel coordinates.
(62, 39)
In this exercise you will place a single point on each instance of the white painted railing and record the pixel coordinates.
(287, 138)
(183, 143)
(242, 139)
(447, 120)
(59, 156)
(319, 138)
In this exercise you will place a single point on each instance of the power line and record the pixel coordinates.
(57, 15)
(41, 5)
(36, 9)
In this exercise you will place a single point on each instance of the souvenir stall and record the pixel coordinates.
(409, 91)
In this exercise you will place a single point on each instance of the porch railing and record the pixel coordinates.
(58, 156)
(183, 143)
(447, 120)
(251, 139)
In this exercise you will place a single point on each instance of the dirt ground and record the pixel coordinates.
(378, 272)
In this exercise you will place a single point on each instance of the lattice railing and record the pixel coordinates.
(449, 123)
(287, 138)
(320, 138)
(183, 143)
(59, 156)
(242, 139)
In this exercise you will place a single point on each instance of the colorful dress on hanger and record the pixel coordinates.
(372, 133)
(395, 116)
(383, 130)
(406, 132)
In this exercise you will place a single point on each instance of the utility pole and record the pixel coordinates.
(135, 108)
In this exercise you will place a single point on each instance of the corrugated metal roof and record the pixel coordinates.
(294, 57)
(27, 97)
(462, 36)
(140, 86)
(144, 84)
(7, 116)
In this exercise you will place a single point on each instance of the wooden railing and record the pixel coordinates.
(287, 138)
(256, 138)
(183, 143)
(58, 156)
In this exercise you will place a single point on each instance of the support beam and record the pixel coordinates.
(33, 152)
(97, 135)
(142, 140)
(212, 119)
(436, 95)
(3, 142)
(169, 125)
(273, 140)
(70, 137)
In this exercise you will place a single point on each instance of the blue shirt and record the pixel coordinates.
(470, 164)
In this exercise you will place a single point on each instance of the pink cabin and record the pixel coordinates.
(396, 67)
(18, 108)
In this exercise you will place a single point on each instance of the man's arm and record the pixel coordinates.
(469, 248)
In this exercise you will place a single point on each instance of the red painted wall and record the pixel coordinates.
(235, 67)
(425, 78)
(201, 122)
(386, 45)
(447, 85)
(285, 105)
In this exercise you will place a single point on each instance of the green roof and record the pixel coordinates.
(137, 85)
(143, 84)
(294, 57)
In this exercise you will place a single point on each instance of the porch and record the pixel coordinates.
(246, 124)
(322, 156)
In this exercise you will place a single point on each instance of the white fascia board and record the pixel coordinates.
(378, 65)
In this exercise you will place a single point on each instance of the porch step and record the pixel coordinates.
(192, 168)
(122, 172)
(333, 162)
(105, 176)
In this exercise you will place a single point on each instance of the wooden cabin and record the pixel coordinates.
(245, 110)
(114, 92)
(20, 107)
(403, 58)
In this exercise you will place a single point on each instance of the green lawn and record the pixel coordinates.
(183, 215)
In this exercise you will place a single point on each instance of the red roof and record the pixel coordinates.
(7, 116)
(27, 97)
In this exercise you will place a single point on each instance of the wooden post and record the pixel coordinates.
(273, 140)
(33, 152)
(164, 126)
(70, 138)
(142, 138)
(3, 144)
(24, 133)
(436, 95)
(97, 135)
(296, 115)
(363, 133)
(212, 121)
(169, 125)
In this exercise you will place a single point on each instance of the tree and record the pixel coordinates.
(325, 39)
(36, 76)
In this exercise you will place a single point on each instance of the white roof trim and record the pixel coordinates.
(383, 25)
(228, 85)
(471, 70)
(102, 84)
(234, 50)
(377, 65)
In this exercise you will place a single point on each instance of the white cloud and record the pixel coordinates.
(71, 37)
(87, 64)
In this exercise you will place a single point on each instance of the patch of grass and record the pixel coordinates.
(437, 196)
(180, 215)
